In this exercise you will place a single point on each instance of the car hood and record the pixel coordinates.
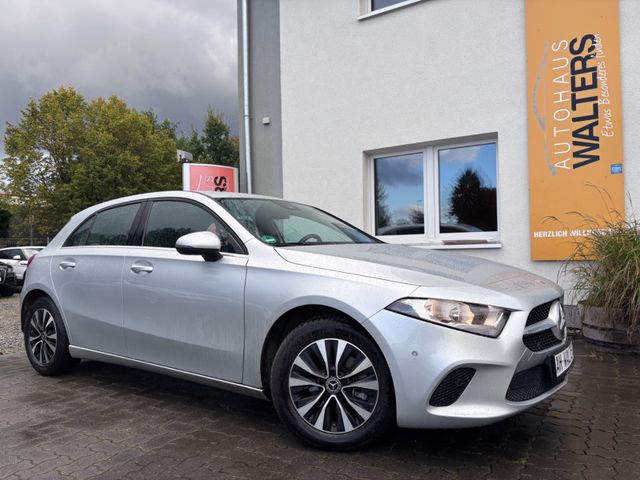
(437, 272)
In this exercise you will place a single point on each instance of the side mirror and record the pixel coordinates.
(206, 244)
(16, 257)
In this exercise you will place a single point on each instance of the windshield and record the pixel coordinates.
(280, 223)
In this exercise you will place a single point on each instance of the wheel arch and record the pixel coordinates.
(28, 299)
(290, 320)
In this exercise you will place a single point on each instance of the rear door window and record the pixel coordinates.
(111, 227)
(108, 227)
(79, 237)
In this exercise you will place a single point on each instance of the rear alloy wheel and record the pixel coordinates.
(331, 385)
(45, 338)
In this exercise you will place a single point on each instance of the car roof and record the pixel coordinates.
(141, 197)
(237, 195)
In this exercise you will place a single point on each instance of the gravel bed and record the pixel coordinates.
(10, 334)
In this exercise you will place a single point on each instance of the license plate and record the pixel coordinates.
(563, 360)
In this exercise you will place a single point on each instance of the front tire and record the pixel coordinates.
(331, 385)
(45, 338)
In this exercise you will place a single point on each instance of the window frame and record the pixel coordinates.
(431, 196)
(139, 224)
(141, 229)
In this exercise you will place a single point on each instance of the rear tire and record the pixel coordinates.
(45, 338)
(331, 385)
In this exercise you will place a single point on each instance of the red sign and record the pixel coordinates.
(202, 177)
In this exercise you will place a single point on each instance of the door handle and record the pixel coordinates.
(141, 268)
(68, 263)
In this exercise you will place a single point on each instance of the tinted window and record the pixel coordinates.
(111, 227)
(16, 252)
(170, 220)
(9, 254)
(79, 237)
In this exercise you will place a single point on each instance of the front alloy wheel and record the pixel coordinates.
(331, 385)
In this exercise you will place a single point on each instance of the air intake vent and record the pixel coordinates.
(530, 383)
(451, 387)
(539, 313)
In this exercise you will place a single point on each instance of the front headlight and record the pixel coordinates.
(481, 319)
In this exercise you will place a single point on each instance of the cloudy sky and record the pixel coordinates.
(177, 57)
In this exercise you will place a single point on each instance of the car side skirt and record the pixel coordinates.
(88, 354)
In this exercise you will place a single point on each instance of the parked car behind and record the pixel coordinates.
(344, 333)
(7, 280)
(17, 257)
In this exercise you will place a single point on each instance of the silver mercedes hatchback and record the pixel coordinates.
(347, 335)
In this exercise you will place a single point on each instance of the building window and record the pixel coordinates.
(399, 194)
(443, 193)
(370, 8)
(378, 4)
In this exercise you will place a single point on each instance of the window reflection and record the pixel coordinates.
(399, 194)
(467, 182)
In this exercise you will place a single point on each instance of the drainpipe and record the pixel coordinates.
(245, 93)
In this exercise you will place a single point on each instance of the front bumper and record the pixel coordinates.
(420, 355)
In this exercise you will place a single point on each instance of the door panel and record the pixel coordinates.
(183, 312)
(88, 283)
(87, 278)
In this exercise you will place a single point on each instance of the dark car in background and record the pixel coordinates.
(8, 282)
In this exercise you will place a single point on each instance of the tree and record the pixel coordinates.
(66, 154)
(383, 216)
(214, 145)
(5, 220)
(473, 203)
(416, 216)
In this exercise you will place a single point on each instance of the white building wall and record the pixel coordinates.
(431, 71)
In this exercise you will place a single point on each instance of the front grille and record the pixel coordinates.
(540, 341)
(539, 313)
(451, 387)
(530, 383)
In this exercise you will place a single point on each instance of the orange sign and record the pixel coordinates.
(574, 120)
(202, 177)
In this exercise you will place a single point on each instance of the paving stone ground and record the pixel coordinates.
(109, 422)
